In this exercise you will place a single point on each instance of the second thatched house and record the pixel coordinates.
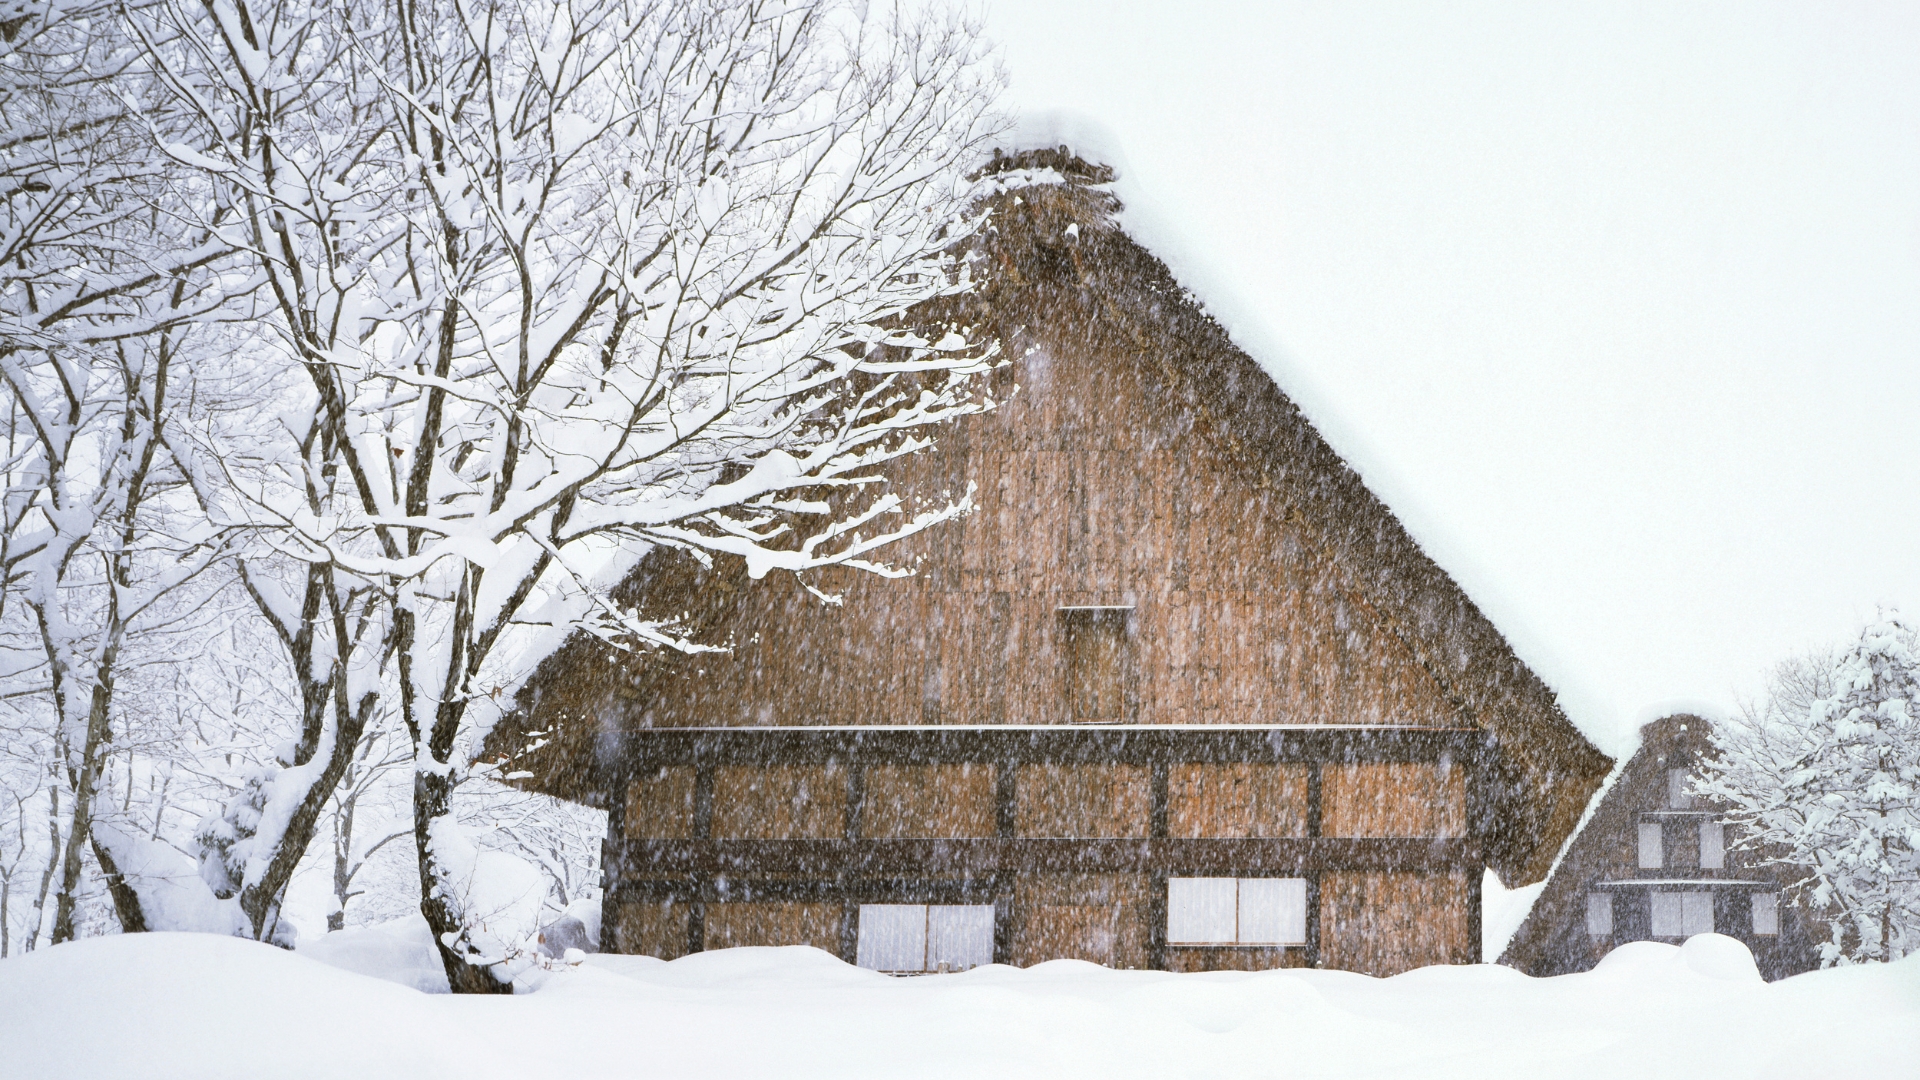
(1182, 693)
(1655, 863)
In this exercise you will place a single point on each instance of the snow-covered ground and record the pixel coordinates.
(201, 1006)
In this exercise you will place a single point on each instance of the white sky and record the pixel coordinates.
(1617, 306)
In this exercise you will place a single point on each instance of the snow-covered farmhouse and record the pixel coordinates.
(1180, 694)
(1653, 864)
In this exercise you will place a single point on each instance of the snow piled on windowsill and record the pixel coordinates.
(207, 1006)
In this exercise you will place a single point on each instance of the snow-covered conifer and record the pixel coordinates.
(1824, 774)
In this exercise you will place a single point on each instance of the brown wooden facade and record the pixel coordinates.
(1656, 864)
(755, 835)
(1178, 636)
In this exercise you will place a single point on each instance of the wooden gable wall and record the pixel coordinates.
(1091, 491)
(1137, 459)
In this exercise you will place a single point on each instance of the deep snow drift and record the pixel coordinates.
(202, 1006)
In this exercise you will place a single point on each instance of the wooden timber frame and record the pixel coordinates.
(853, 868)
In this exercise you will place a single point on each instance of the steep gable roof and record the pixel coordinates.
(1061, 278)
(1553, 940)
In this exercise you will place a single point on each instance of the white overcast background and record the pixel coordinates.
(1616, 305)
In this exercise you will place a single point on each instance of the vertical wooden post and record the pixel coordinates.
(1474, 931)
(1005, 885)
(1315, 817)
(1313, 919)
(1003, 921)
(856, 797)
(1004, 771)
(613, 863)
(850, 930)
(702, 830)
(1157, 881)
(1476, 871)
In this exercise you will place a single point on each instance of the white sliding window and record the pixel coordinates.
(959, 936)
(1766, 913)
(1652, 850)
(1677, 796)
(1682, 914)
(921, 937)
(1236, 911)
(1203, 911)
(1600, 914)
(1273, 911)
(1696, 913)
(1713, 846)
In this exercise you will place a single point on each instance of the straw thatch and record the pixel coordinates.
(1144, 463)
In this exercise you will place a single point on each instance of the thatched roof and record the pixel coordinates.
(1553, 940)
(1047, 287)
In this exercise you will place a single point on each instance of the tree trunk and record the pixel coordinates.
(433, 803)
(46, 876)
(261, 900)
(342, 850)
(126, 901)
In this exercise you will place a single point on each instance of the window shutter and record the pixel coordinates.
(893, 937)
(1652, 853)
(1667, 918)
(959, 936)
(1766, 913)
(1097, 655)
(1677, 796)
(1600, 914)
(1201, 911)
(1273, 911)
(1713, 846)
(1696, 913)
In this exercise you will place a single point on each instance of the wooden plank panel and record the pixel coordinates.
(1065, 932)
(1226, 958)
(1394, 799)
(660, 805)
(733, 925)
(1099, 662)
(1082, 801)
(649, 928)
(779, 802)
(1237, 800)
(1096, 917)
(928, 801)
(1386, 923)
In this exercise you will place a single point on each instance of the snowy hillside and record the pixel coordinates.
(201, 1006)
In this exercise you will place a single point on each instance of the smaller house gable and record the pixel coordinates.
(1656, 864)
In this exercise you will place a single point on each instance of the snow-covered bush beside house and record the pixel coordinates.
(1648, 1010)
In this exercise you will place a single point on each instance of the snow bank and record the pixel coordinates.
(400, 951)
(166, 1005)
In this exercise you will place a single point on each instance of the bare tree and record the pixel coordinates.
(102, 278)
(569, 280)
(378, 758)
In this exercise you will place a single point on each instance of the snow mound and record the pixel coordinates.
(1712, 956)
(1718, 956)
(399, 952)
(210, 1007)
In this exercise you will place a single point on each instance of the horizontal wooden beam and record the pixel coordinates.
(1142, 744)
(631, 859)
